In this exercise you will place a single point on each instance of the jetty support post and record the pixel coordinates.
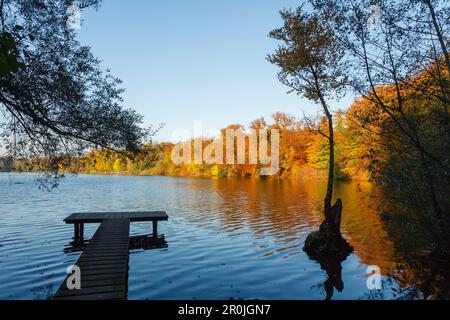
(78, 232)
(155, 228)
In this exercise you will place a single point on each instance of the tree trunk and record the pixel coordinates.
(327, 112)
(328, 242)
(438, 33)
(329, 194)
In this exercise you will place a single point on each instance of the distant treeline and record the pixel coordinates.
(303, 154)
(364, 149)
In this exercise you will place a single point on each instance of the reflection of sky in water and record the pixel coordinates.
(227, 238)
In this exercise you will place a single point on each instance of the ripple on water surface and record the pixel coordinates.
(230, 238)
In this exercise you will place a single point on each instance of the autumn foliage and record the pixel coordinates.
(303, 154)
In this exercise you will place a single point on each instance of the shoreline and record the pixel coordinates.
(272, 177)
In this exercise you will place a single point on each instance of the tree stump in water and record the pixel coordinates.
(328, 241)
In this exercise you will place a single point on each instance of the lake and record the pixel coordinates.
(227, 238)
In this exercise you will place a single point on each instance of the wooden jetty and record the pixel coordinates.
(104, 262)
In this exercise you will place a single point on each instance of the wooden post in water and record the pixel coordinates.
(78, 232)
(155, 228)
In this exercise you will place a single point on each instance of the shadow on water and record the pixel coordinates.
(143, 242)
(148, 242)
(333, 268)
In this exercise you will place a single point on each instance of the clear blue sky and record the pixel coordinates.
(182, 61)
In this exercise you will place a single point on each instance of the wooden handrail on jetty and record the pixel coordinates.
(103, 264)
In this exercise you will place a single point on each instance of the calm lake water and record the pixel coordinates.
(227, 238)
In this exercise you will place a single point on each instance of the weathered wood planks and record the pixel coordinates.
(103, 264)
(98, 217)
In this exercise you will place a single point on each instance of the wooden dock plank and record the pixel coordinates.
(111, 277)
(93, 290)
(108, 255)
(98, 217)
(99, 283)
(104, 262)
(98, 296)
(103, 279)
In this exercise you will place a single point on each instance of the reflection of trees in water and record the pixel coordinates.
(288, 209)
(428, 270)
(391, 286)
(390, 291)
(430, 274)
(333, 270)
(282, 212)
